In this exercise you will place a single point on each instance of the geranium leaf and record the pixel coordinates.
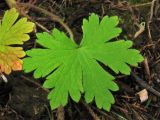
(13, 32)
(73, 69)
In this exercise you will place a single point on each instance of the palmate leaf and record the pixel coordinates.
(13, 32)
(73, 69)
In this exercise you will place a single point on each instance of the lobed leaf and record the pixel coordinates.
(73, 69)
(13, 32)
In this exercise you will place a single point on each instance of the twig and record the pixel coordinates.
(107, 116)
(150, 20)
(94, 115)
(145, 85)
(149, 32)
(152, 9)
(157, 6)
(141, 27)
(143, 4)
(40, 26)
(35, 83)
(60, 113)
(147, 70)
(51, 15)
(3, 77)
(49, 113)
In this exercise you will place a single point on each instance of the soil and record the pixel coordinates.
(23, 98)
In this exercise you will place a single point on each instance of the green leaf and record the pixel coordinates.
(73, 69)
(13, 32)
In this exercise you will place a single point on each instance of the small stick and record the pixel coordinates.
(145, 85)
(4, 78)
(35, 83)
(94, 115)
(147, 70)
(150, 20)
(51, 15)
(38, 24)
(140, 31)
(152, 9)
(143, 4)
(149, 32)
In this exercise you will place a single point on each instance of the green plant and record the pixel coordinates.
(73, 69)
(13, 32)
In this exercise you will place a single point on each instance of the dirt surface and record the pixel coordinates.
(23, 98)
